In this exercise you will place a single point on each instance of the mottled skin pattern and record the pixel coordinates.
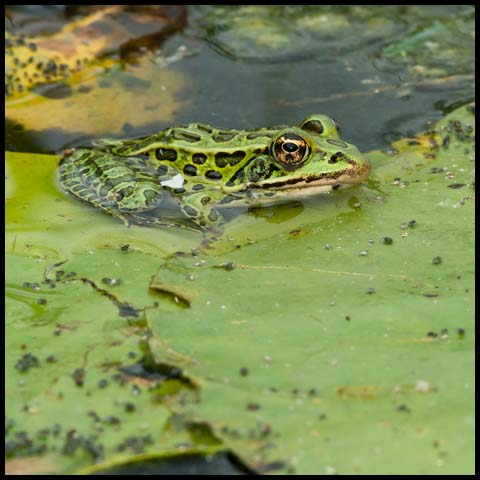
(205, 169)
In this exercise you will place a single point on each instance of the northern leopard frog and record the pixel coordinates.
(205, 170)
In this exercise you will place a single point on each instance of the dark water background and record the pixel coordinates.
(381, 71)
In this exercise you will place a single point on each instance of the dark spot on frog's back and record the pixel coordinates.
(213, 216)
(190, 170)
(166, 154)
(150, 195)
(126, 178)
(223, 136)
(205, 128)
(213, 175)
(222, 159)
(185, 135)
(199, 158)
(124, 192)
(103, 191)
(162, 170)
(227, 199)
(190, 211)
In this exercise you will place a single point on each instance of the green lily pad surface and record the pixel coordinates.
(335, 336)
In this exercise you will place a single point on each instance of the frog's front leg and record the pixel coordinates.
(200, 207)
(259, 168)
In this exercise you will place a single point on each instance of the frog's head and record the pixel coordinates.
(313, 156)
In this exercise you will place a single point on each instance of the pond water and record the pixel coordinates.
(381, 71)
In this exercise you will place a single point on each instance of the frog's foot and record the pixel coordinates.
(199, 208)
(208, 218)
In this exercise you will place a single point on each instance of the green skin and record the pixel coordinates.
(205, 170)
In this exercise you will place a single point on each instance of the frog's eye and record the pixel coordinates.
(290, 150)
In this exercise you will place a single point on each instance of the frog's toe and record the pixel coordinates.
(121, 217)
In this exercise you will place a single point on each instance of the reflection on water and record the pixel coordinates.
(375, 69)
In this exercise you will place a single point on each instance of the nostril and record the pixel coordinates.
(336, 157)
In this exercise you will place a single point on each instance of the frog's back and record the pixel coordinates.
(197, 149)
(197, 137)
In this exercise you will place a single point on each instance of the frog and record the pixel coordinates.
(205, 170)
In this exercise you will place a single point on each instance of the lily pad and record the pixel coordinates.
(84, 388)
(347, 349)
(334, 339)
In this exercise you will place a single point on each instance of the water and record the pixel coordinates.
(381, 71)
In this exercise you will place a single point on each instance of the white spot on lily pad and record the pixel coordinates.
(423, 386)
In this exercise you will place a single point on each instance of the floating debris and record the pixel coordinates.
(26, 362)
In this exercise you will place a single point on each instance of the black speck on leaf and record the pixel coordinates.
(26, 362)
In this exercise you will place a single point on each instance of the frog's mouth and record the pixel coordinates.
(273, 191)
(328, 180)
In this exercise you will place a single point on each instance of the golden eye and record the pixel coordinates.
(290, 150)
